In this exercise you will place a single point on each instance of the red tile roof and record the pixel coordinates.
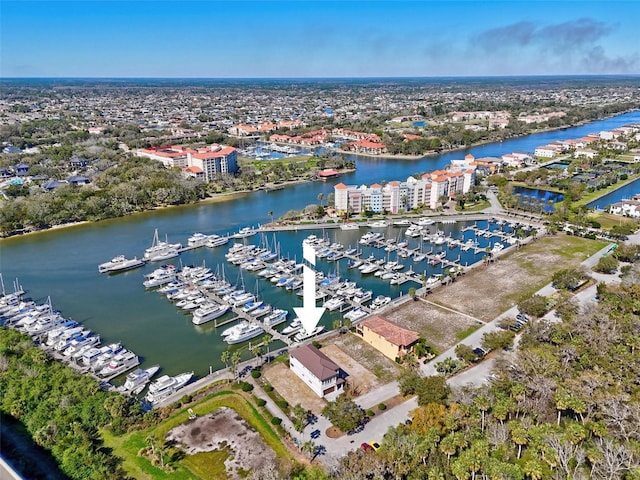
(393, 333)
(341, 186)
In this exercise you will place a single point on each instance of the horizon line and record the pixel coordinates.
(528, 75)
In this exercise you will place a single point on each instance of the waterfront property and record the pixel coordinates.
(627, 208)
(408, 195)
(205, 163)
(390, 339)
(319, 372)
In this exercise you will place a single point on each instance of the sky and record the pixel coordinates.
(280, 39)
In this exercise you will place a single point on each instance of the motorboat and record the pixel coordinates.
(216, 241)
(334, 303)
(230, 330)
(244, 334)
(78, 343)
(160, 250)
(242, 299)
(107, 353)
(209, 312)
(275, 318)
(92, 354)
(197, 240)
(303, 334)
(261, 311)
(362, 296)
(402, 223)
(355, 314)
(380, 301)
(497, 247)
(251, 306)
(245, 232)
(378, 224)
(160, 276)
(293, 327)
(349, 226)
(119, 264)
(138, 379)
(166, 385)
(120, 363)
(425, 221)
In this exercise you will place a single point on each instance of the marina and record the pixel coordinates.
(119, 309)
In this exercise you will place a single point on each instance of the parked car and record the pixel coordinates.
(375, 445)
(366, 447)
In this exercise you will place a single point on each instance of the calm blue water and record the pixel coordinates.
(530, 198)
(63, 263)
(627, 191)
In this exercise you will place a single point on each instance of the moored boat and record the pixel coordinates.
(119, 264)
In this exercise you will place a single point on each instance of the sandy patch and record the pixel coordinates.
(358, 376)
(221, 429)
(383, 369)
(292, 389)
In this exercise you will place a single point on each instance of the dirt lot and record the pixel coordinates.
(359, 377)
(382, 369)
(438, 326)
(224, 429)
(292, 389)
(487, 291)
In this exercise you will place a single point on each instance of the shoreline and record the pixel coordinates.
(484, 142)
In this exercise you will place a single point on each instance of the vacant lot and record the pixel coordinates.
(383, 369)
(292, 389)
(441, 328)
(360, 379)
(487, 291)
(220, 430)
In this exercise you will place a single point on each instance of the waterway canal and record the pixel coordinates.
(63, 263)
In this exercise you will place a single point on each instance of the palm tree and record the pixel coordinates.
(256, 351)
(266, 340)
(309, 447)
(320, 198)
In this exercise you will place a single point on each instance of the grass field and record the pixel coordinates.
(487, 291)
(204, 465)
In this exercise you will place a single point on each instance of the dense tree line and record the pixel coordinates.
(133, 185)
(61, 409)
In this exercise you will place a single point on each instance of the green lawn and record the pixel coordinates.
(589, 197)
(209, 465)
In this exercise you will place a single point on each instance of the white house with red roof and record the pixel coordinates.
(316, 370)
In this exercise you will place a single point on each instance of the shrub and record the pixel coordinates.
(261, 402)
(268, 388)
(316, 344)
(245, 386)
(276, 421)
(256, 374)
(382, 406)
(370, 413)
(282, 403)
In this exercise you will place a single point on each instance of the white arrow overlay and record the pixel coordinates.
(309, 314)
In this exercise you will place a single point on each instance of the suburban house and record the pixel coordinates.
(388, 338)
(627, 208)
(319, 372)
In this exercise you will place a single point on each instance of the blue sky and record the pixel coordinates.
(317, 38)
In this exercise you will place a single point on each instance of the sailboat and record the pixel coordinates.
(161, 250)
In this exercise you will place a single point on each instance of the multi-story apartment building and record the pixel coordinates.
(206, 162)
(407, 195)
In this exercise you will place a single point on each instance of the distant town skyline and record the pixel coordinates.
(298, 39)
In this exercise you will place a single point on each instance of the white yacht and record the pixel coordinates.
(245, 232)
(160, 276)
(119, 264)
(380, 301)
(166, 385)
(216, 241)
(197, 240)
(98, 362)
(303, 334)
(209, 312)
(161, 250)
(276, 317)
(378, 224)
(293, 327)
(138, 379)
(355, 314)
(334, 303)
(261, 311)
(120, 363)
(243, 334)
(349, 226)
(497, 247)
(240, 300)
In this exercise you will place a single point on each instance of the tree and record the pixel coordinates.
(497, 340)
(433, 389)
(567, 278)
(344, 413)
(300, 417)
(607, 264)
(466, 353)
(535, 306)
(235, 360)
(266, 340)
(270, 213)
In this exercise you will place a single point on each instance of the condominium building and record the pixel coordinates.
(409, 195)
(207, 162)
